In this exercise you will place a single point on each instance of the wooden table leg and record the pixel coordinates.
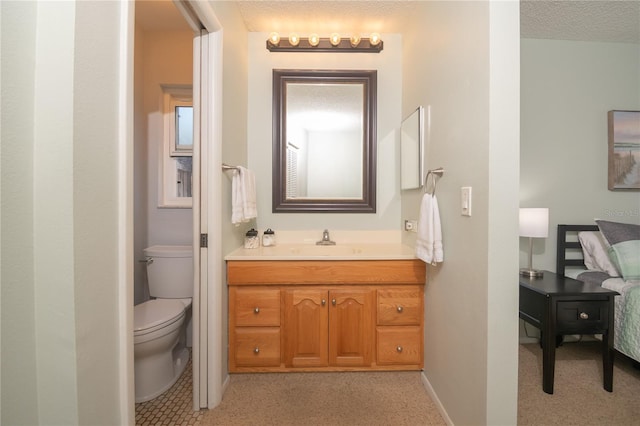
(608, 352)
(548, 360)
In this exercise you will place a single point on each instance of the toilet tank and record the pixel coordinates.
(170, 271)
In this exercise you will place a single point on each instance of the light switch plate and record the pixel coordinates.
(465, 199)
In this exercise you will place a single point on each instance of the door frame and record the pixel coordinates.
(207, 311)
(207, 291)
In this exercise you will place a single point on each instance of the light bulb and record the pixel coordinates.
(314, 39)
(294, 39)
(355, 40)
(274, 38)
(374, 39)
(335, 39)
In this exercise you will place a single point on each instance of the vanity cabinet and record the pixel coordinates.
(328, 327)
(316, 315)
(256, 315)
(399, 325)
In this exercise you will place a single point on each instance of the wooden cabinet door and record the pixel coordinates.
(305, 334)
(350, 327)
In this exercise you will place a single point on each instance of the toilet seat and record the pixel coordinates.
(155, 314)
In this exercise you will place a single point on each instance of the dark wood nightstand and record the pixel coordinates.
(559, 305)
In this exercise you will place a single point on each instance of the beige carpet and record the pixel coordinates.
(372, 398)
(399, 399)
(578, 397)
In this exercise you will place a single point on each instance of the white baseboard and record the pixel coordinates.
(225, 385)
(435, 399)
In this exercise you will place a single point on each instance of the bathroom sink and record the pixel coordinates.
(322, 250)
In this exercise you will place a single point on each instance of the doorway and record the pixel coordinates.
(190, 30)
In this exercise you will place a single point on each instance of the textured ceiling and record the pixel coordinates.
(606, 21)
(325, 17)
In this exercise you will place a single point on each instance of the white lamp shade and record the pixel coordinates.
(534, 222)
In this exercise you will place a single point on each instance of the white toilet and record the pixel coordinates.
(159, 331)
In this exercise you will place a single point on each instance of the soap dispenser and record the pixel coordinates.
(251, 240)
(268, 238)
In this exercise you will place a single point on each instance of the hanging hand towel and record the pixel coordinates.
(429, 244)
(243, 196)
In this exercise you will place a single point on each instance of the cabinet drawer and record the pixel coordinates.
(581, 317)
(255, 307)
(257, 346)
(399, 345)
(400, 306)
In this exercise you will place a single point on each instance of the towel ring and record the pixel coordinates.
(433, 174)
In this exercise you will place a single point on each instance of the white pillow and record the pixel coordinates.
(594, 250)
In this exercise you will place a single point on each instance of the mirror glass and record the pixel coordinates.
(324, 141)
(411, 150)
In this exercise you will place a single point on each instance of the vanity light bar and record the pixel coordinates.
(325, 44)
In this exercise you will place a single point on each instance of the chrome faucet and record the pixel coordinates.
(326, 240)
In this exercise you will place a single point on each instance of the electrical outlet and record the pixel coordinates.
(411, 225)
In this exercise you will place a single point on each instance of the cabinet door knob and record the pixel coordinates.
(324, 302)
(256, 351)
(333, 302)
(400, 309)
(584, 315)
(256, 310)
(399, 349)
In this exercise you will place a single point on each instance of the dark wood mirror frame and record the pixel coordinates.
(282, 204)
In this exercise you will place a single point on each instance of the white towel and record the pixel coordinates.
(243, 196)
(429, 244)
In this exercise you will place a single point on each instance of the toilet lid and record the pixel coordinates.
(155, 312)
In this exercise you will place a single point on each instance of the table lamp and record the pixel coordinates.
(534, 223)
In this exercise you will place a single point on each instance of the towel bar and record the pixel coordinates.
(433, 173)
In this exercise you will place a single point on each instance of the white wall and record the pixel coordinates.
(465, 75)
(567, 88)
(389, 66)
(18, 369)
(141, 172)
(234, 137)
(62, 289)
(166, 58)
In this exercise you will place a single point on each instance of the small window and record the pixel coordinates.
(177, 151)
(183, 132)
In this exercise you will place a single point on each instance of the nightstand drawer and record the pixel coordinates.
(582, 317)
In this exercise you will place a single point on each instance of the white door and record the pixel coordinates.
(207, 297)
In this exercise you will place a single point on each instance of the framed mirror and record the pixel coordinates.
(324, 141)
(412, 150)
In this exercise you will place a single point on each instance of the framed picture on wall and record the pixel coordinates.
(624, 150)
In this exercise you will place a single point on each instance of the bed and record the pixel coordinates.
(607, 254)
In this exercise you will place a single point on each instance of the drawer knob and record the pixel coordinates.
(333, 302)
(324, 302)
(584, 315)
(399, 349)
(400, 309)
(256, 310)
(256, 351)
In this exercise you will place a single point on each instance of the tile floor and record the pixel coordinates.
(174, 407)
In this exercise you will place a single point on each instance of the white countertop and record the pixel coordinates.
(366, 251)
